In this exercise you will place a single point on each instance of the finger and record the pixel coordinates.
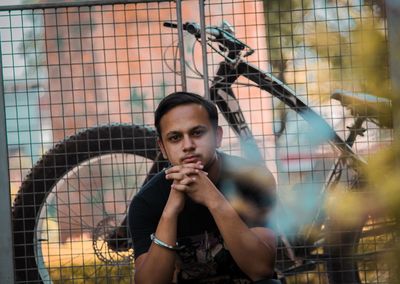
(177, 192)
(182, 174)
(197, 165)
(174, 176)
(179, 187)
(179, 168)
(203, 172)
(186, 181)
(190, 171)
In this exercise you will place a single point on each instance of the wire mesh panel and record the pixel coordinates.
(323, 50)
(80, 87)
(68, 71)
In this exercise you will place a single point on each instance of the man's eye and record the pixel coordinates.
(198, 133)
(173, 138)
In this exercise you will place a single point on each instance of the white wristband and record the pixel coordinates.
(164, 245)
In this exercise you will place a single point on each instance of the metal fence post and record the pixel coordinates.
(181, 45)
(6, 245)
(204, 48)
(393, 22)
(393, 18)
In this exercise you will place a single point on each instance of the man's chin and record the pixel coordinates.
(210, 163)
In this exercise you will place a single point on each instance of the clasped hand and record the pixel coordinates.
(190, 179)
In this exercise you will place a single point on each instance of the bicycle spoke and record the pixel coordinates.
(91, 183)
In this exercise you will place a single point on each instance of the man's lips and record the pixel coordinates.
(190, 159)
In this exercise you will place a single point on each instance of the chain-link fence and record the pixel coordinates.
(81, 82)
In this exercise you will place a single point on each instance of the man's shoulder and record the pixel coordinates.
(252, 179)
(157, 188)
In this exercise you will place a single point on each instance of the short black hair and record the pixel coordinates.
(184, 98)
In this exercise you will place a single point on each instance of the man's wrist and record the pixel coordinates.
(170, 214)
(215, 201)
(162, 244)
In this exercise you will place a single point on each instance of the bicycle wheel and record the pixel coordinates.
(364, 253)
(72, 201)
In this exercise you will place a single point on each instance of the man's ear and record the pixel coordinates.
(218, 136)
(161, 145)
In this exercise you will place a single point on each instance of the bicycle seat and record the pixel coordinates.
(374, 108)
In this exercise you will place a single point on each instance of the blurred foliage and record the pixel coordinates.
(282, 17)
(349, 42)
(384, 179)
(383, 184)
(354, 54)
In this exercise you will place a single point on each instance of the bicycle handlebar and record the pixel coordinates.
(224, 37)
(195, 29)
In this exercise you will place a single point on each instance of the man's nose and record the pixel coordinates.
(188, 143)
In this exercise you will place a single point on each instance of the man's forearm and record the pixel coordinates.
(159, 263)
(255, 256)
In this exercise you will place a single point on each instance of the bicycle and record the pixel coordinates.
(71, 200)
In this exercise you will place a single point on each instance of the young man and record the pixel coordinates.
(184, 228)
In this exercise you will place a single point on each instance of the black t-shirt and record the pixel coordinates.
(204, 258)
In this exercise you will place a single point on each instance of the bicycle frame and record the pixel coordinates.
(222, 94)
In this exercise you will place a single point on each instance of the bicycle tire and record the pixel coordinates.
(340, 249)
(54, 170)
(360, 254)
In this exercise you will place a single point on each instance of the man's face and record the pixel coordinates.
(187, 135)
